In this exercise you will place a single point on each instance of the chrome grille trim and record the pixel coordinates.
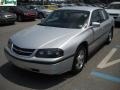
(22, 51)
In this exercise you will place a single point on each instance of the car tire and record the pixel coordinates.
(40, 16)
(110, 36)
(13, 22)
(19, 18)
(79, 59)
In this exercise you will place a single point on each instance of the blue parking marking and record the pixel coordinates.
(106, 76)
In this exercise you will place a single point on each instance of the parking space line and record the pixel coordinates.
(106, 76)
(106, 63)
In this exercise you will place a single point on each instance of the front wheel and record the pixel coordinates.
(13, 22)
(79, 59)
(19, 18)
(40, 16)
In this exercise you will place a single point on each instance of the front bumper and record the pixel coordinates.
(46, 68)
(7, 20)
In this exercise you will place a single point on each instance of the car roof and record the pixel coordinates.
(85, 8)
(115, 3)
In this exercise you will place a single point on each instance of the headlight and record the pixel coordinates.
(6, 16)
(49, 53)
(9, 43)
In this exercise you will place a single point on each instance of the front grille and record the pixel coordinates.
(22, 51)
(9, 16)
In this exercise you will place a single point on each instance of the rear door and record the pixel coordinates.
(104, 20)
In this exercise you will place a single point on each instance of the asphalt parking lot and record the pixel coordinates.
(102, 71)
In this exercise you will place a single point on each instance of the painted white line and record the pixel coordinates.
(104, 63)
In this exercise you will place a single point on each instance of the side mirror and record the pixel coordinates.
(95, 24)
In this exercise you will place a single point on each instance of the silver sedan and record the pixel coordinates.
(62, 42)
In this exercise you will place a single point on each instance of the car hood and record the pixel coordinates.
(37, 37)
(113, 11)
(6, 13)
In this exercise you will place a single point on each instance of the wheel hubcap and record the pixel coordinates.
(80, 59)
(110, 36)
(19, 18)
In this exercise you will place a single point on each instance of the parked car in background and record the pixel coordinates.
(6, 17)
(83, 4)
(62, 42)
(67, 5)
(23, 13)
(42, 12)
(114, 10)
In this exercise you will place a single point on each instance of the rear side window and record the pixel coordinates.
(106, 14)
(103, 15)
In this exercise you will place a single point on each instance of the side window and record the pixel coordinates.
(95, 16)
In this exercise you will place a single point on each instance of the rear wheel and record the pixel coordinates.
(79, 59)
(110, 36)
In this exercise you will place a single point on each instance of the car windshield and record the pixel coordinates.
(114, 6)
(66, 19)
(1, 11)
(23, 8)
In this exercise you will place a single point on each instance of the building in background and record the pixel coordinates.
(64, 1)
(8, 2)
